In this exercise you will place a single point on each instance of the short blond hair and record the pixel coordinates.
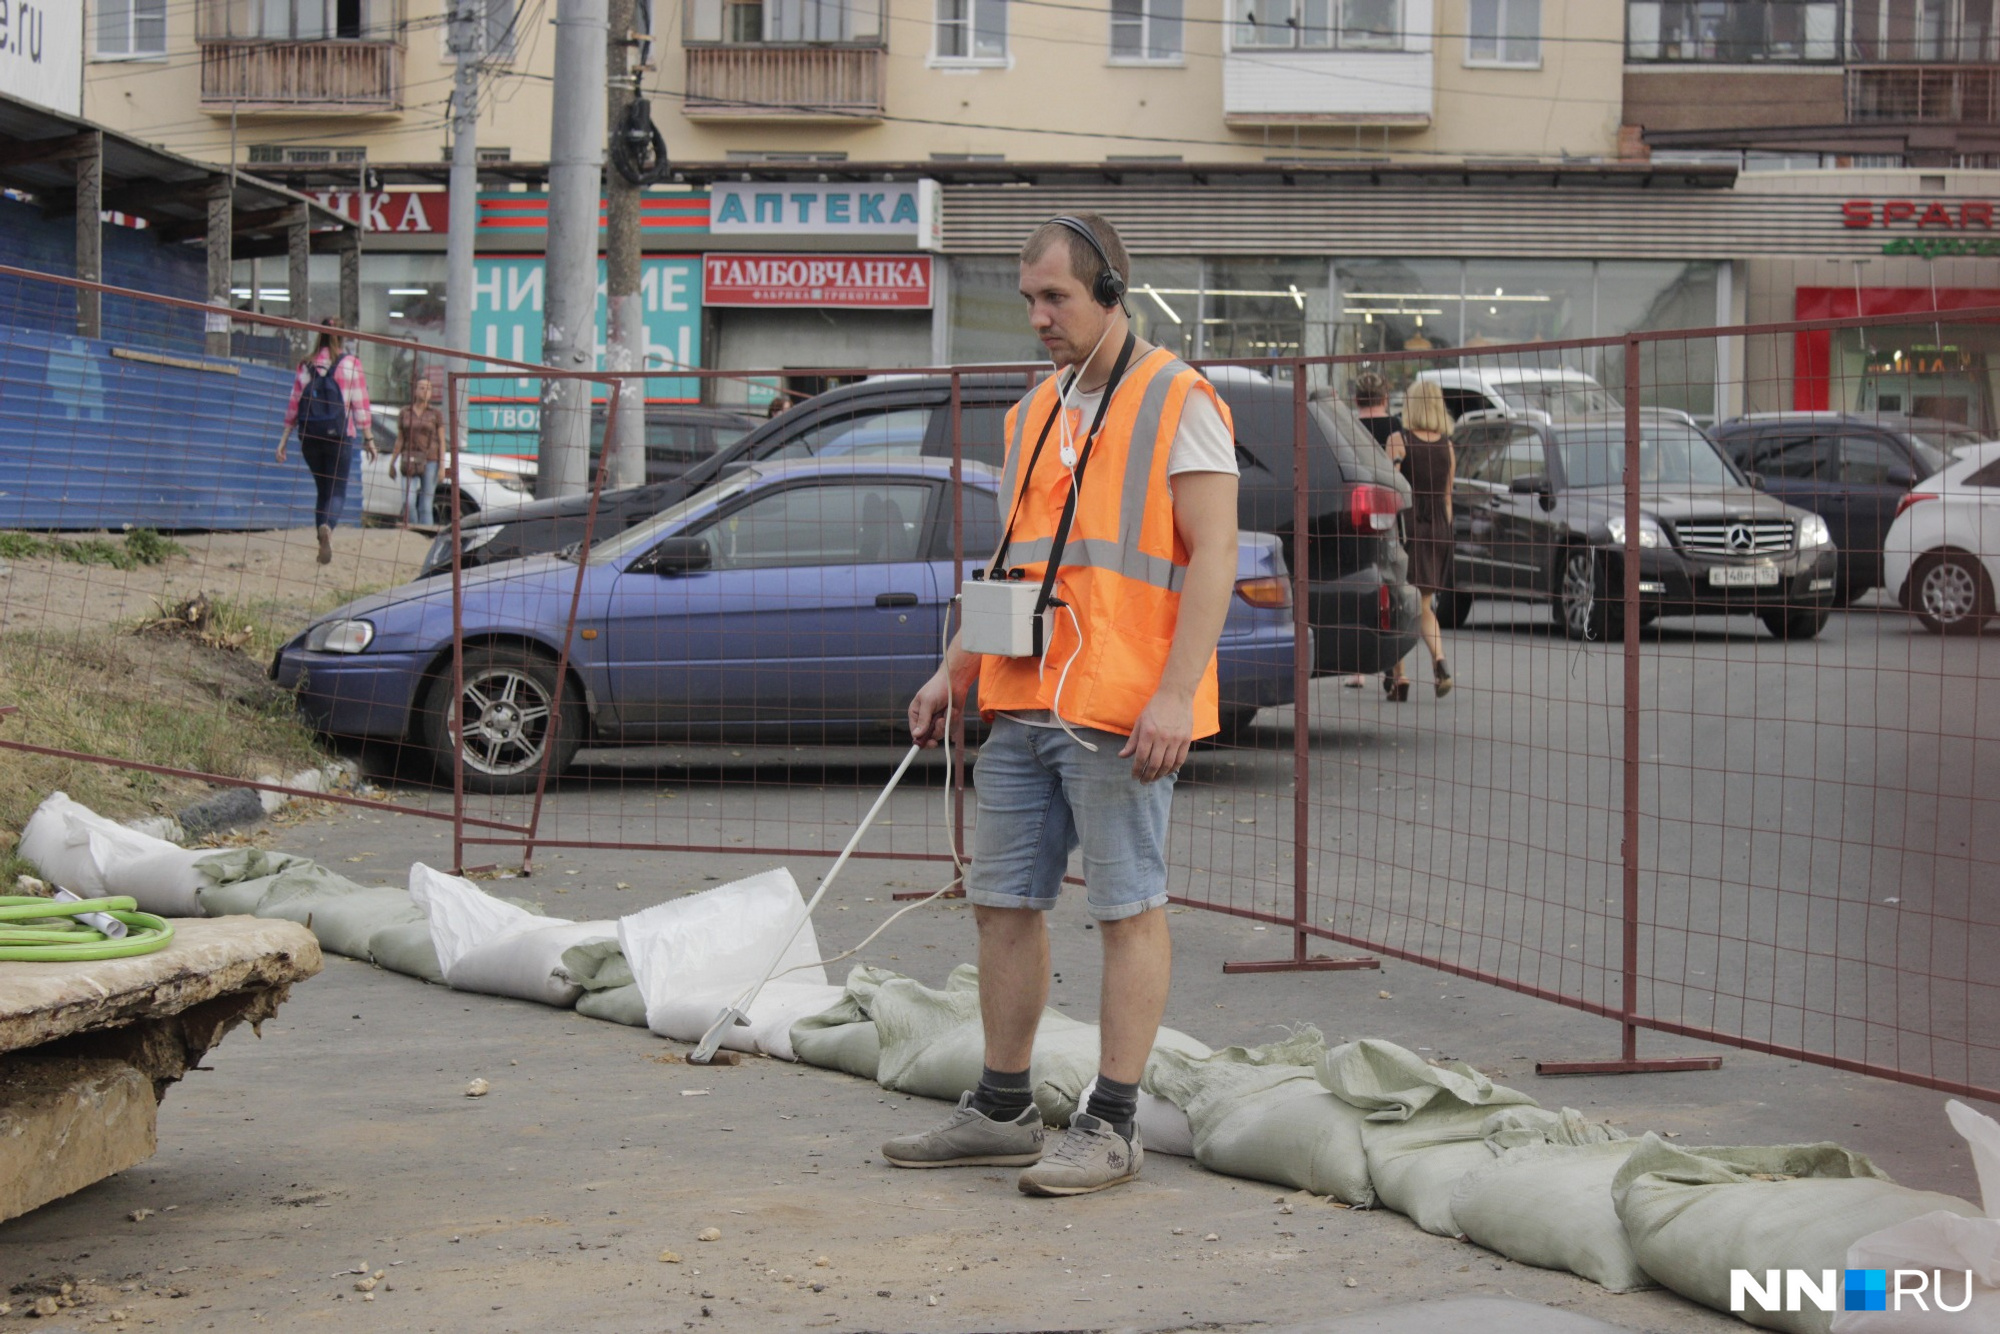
(1424, 409)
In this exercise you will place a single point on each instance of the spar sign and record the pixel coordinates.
(876, 282)
(507, 296)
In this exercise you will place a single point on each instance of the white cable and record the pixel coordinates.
(1055, 704)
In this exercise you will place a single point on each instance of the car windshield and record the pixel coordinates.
(1669, 453)
(642, 535)
(1558, 398)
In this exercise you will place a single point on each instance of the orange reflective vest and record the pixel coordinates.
(1123, 564)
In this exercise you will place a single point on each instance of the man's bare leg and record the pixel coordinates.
(1013, 982)
(1138, 966)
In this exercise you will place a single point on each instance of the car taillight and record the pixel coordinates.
(1373, 507)
(1265, 591)
(1913, 498)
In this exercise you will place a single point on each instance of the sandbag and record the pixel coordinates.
(687, 1016)
(718, 943)
(487, 945)
(932, 1044)
(407, 949)
(597, 965)
(344, 916)
(843, 1036)
(1425, 1126)
(1162, 1127)
(1260, 1113)
(79, 850)
(1550, 1205)
(1944, 1245)
(236, 898)
(235, 880)
(1692, 1215)
(617, 1005)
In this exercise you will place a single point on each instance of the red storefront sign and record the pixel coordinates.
(421, 212)
(1963, 215)
(875, 282)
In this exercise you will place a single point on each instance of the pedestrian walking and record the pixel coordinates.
(1422, 449)
(1371, 404)
(419, 452)
(1121, 468)
(330, 410)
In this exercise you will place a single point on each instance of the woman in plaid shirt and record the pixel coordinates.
(331, 462)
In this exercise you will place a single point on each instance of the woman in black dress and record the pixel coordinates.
(1422, 449)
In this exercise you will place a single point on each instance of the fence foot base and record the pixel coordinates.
(1669, 1065)
(1319, 963)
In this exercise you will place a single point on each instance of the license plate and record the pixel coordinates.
(1743, 576)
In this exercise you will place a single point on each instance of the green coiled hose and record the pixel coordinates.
(36, 930)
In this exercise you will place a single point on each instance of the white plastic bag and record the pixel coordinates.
(686, 1016)
(83, 852)
(1945, 1247)
(496, 948)
(705, 950)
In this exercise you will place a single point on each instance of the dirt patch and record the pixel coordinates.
(276, 574)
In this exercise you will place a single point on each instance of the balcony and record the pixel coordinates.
(769, 81)
(1360, 88)
(1956, 94)
(344, 77)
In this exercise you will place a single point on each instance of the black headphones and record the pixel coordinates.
(1108, 288)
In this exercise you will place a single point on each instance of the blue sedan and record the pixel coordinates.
(790, 599)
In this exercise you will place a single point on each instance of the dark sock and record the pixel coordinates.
(1002, 1095)
(1115, 1104)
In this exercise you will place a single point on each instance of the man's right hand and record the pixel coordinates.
(927, 709)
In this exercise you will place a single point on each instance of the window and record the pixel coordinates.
(1986, 476)
(131, 28)
(1503, 32)
(867, 523)
(1354, 25)
(1741, 32)
(971, 29)
(1866, 461)
(1145, 29)
(1922, 31)
(793, 22)
(982, 526)
(899, 431)
(1807, 458)
(297, 20)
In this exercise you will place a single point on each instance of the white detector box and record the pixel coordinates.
(999, 618)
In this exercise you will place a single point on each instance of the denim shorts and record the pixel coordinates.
(1041, 797)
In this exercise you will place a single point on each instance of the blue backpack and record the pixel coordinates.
(322, 407)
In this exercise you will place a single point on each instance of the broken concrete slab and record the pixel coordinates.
(1489, 1315)
(66, 1122)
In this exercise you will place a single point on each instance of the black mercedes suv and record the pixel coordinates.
(1539, 513)
(1360, 603)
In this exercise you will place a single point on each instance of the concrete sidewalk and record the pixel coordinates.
(350, 1145)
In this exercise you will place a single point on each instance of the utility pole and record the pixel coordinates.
(625, 348)
(569, 304)
(467, 44)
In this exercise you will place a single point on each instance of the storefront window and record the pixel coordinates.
(402, 296)
(1634, 295)
(1265, 308)
(988, 319)
(1941, 372)
(1165, 300)
(1397, 305)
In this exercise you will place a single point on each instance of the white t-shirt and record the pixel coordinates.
(1201, 444)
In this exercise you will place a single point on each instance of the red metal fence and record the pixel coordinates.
(1699, 772)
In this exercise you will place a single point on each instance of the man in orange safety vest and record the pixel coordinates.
(1120, 468)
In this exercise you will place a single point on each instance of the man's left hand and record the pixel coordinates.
(1160, 739)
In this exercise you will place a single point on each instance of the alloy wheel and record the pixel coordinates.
(1949, 593)
(1579, 593)
(504, 716)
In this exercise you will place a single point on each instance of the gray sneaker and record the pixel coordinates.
(972, 1139)
(1090, 1156)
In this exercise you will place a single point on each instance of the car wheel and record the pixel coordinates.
(1794, 622)
(1950, 594)
(1581, 608)
(1452, 609)
(511, 709)
(441, 506)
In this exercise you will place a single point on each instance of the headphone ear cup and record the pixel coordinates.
(1110, 288)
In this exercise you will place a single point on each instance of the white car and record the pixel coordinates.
(490, 482)
(1941, 557)
(1515, 391)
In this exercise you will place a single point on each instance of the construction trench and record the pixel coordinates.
(1274, 1171)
